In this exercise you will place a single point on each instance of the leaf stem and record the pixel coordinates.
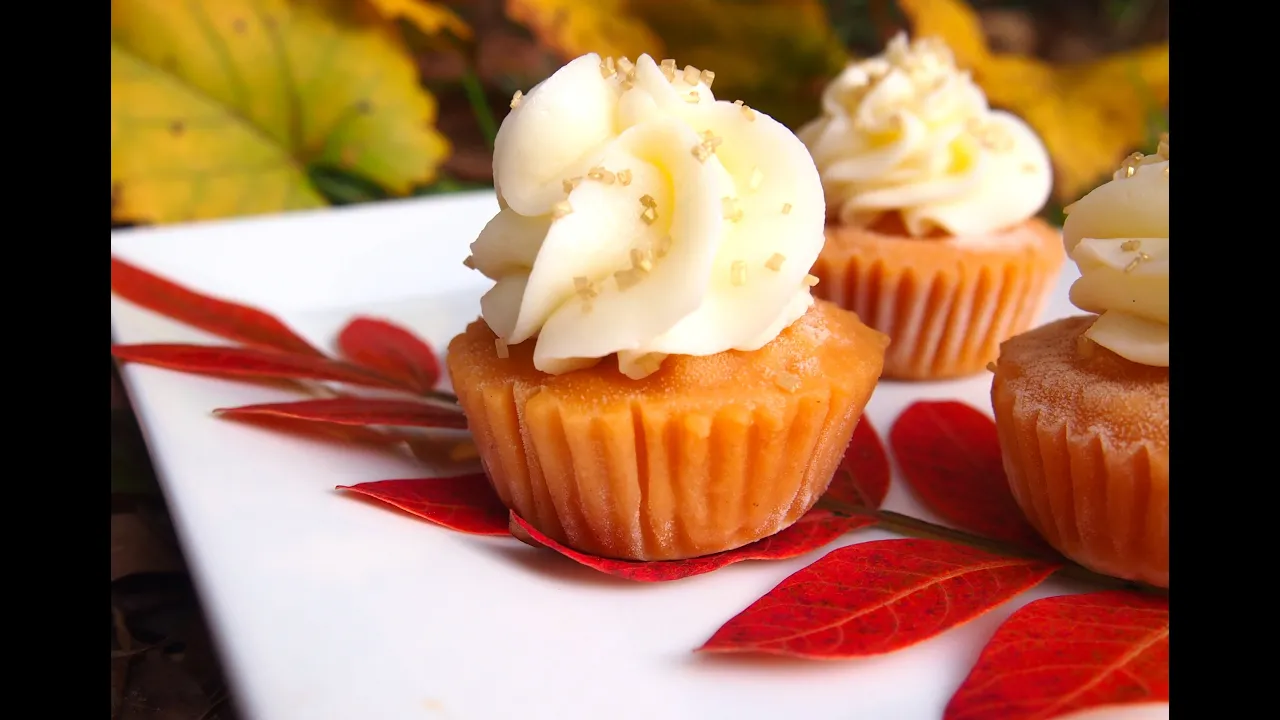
(480, 106)
(915, 527)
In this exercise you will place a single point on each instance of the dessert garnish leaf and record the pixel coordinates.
(875, 597)
(466, 503)
(390, 351)
(862, 478)
(949, 454)
(1090, 115)
(220, 107)
(248, 363)
(225, 319)
(357, 411)
(1064, 654)
(813, 530)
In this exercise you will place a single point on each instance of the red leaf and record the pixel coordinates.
(357, 411)
(248, 363)
(341, 433)
(466, 503)
(950, 455)
(863, 476)
(876, 597)
(815, 529)
(1068, 653)
(225, 319)
(392, 351)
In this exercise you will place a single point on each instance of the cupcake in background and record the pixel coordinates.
(651, 378)
(931, 200)
(1082, 404)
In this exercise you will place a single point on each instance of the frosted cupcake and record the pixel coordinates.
(931, 197)
(651, 377)
(1082, 404)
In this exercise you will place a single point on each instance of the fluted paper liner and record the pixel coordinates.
(945, 303)
(708, 454)
(1085, 439)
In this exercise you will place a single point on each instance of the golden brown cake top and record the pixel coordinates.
(641, 216)
(908, 132)
(1118, 235)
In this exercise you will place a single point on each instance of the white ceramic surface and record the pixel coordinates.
(329, 608)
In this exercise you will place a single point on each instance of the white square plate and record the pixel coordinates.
(328, 608)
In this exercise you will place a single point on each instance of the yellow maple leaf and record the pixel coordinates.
(219, 107)
(429, 17)
(1089, 115)
(768, 53)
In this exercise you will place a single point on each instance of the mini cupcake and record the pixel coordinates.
(651, 378)
(931, 197)
(1082, 404)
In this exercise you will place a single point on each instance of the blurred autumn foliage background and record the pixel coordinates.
(235, 107)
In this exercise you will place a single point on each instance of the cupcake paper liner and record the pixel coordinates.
(946, 304)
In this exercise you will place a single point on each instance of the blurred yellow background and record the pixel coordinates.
(234, 107)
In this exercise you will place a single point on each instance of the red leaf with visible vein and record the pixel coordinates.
(950, 455)
(342, 433)
(863, 476)
(813, 530)
(358, 411)
(876, 597)
(248, 363)
(466, 503)
(1064, 654)
(225, 319)
(391, 351)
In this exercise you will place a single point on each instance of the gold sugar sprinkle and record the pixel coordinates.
(691, 74)
(1163, 148)
(738, 273)
(561, 209)
(470, 262)
(692, 97)
(650, 213)
(648, 201)
(756, 178)
(1130, 245)
(640, 260)
(700, 152)
(775, 261)
(626, 279)
(669, 69)
(1143, 256)
(599, 174)
(515, 99)
(749, 113)
(1067, 210)
(729, 208)
(624, 177)
(787, 381)
(810, 280)
(710, 140)
(625, 66)
(607, 68)
(650, 363)
(738, 103)
(500, 346)
(1028, 167)
(1166, 171)
(1133, 264)
(707, 78)
(662, 246)
(570, 183)
(991, 366)
(1129, 170)
(786, 208)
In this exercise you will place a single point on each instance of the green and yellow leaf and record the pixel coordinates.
(429, 17)
(773, 54)
(1089, 115)
(219, 107)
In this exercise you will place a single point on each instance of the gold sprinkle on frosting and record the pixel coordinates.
(810, 280)
(570, 183)
(662, 246)
(641, 260)
(786, 208)
(626, 279)
(691, 74)
(775, 261)
(500, 346)
(700, 152)
(692, 97)
(738, 273)
(729, 208)
(515, 99)
(599, 174)
(650, 213)
(624, 177)
(669, 69)
(757, 177)
(708, 77)
(1130, 245)
(561, 209)
(607, 68)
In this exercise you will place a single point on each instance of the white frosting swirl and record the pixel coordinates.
(908, 132)
(642, 217)
(1118, 235)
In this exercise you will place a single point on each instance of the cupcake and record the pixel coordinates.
(931, 197)
(1082, 404)
(651, 377)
